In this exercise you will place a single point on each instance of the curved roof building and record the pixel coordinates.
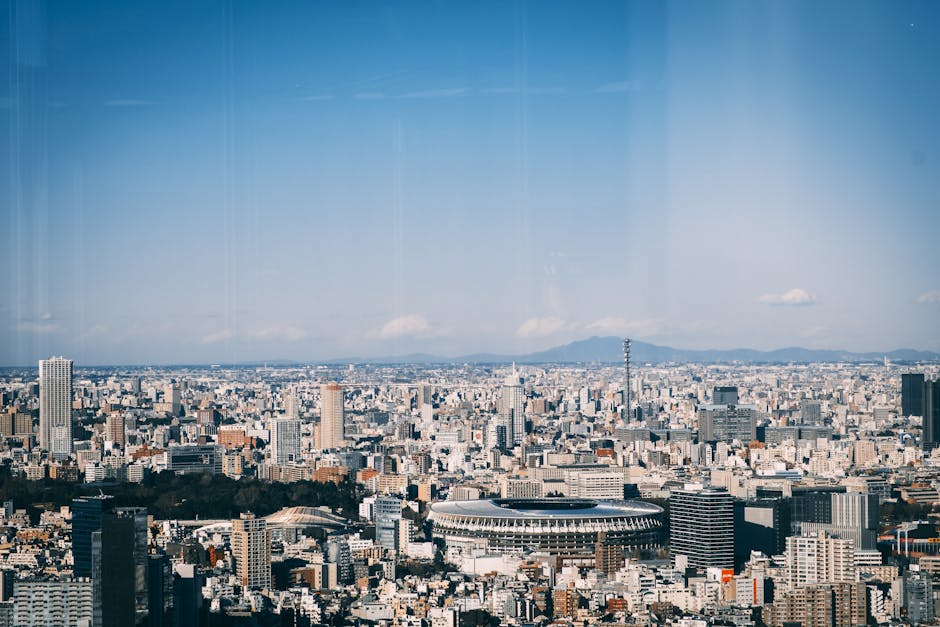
(561, 526)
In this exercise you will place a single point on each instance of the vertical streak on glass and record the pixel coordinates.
(15, 190)
(397, 226)
(228, 192)
(523, 262)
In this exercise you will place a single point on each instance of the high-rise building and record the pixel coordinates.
(53, 602)
(187, 596)
(855, 509)
(701, 526)
(811, 412)
(912, 394)
(251, 550)
(725, 395)
(173, 398)
(608, 557)
(727, 422)
(387, 515)
(292, 405)
(113, 571)
(159, 591)
(760, 525)
(194, 458)
(931, 436)
(55, 406)
(332, 416)
(114, 429)
(7, 579)
(140, 556)
(87, 513)
(841, 604)
(918, 597)
(285, 440)
(852, 516)
(813, 504)
(513, 407)
(819, 558)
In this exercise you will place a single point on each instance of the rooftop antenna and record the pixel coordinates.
(626, 379)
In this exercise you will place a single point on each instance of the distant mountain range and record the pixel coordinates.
(609, 350)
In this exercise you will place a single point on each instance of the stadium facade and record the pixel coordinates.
(559, 526)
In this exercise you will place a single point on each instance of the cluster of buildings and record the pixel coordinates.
(681, 494)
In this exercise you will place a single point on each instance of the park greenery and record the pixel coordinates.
(168, 496)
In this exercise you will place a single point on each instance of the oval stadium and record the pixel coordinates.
(559, 526)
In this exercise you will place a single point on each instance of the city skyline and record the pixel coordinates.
(310, 182)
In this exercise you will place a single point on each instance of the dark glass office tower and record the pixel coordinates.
(701, 526)
(931, 436)
(912, 394)
(725, 395)
(159, 591)
(86, 519)
(761, 525)
(813, 505)
(141, 571)
(113, 576)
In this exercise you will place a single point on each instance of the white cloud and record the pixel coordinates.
(412, 325)
(930, 297)
(795, 297)
(621, 326)
(282, 333)
(46, 316)
(541, 327)
(218, 336)
(369, 95)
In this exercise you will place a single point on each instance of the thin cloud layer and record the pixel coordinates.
(282, 333)
(411, 325)
(217, 336)
(928, 298)
(621, 326)
(791, 298)
(541, 327)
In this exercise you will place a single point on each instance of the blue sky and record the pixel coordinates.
(224, 181)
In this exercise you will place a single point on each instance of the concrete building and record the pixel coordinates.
(194, 458)
(251, 550)
(725, 423)
(332, 416)
(53, 602)
(512, 407)
(285, 441)
(55, 406)
(818, 558)
(114, 429)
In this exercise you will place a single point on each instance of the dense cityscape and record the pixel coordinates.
(446, 495)
(469, 313)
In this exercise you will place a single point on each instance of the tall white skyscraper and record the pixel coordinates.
(285, 440)
(55, 406)
(513, 406)
(332, 416)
